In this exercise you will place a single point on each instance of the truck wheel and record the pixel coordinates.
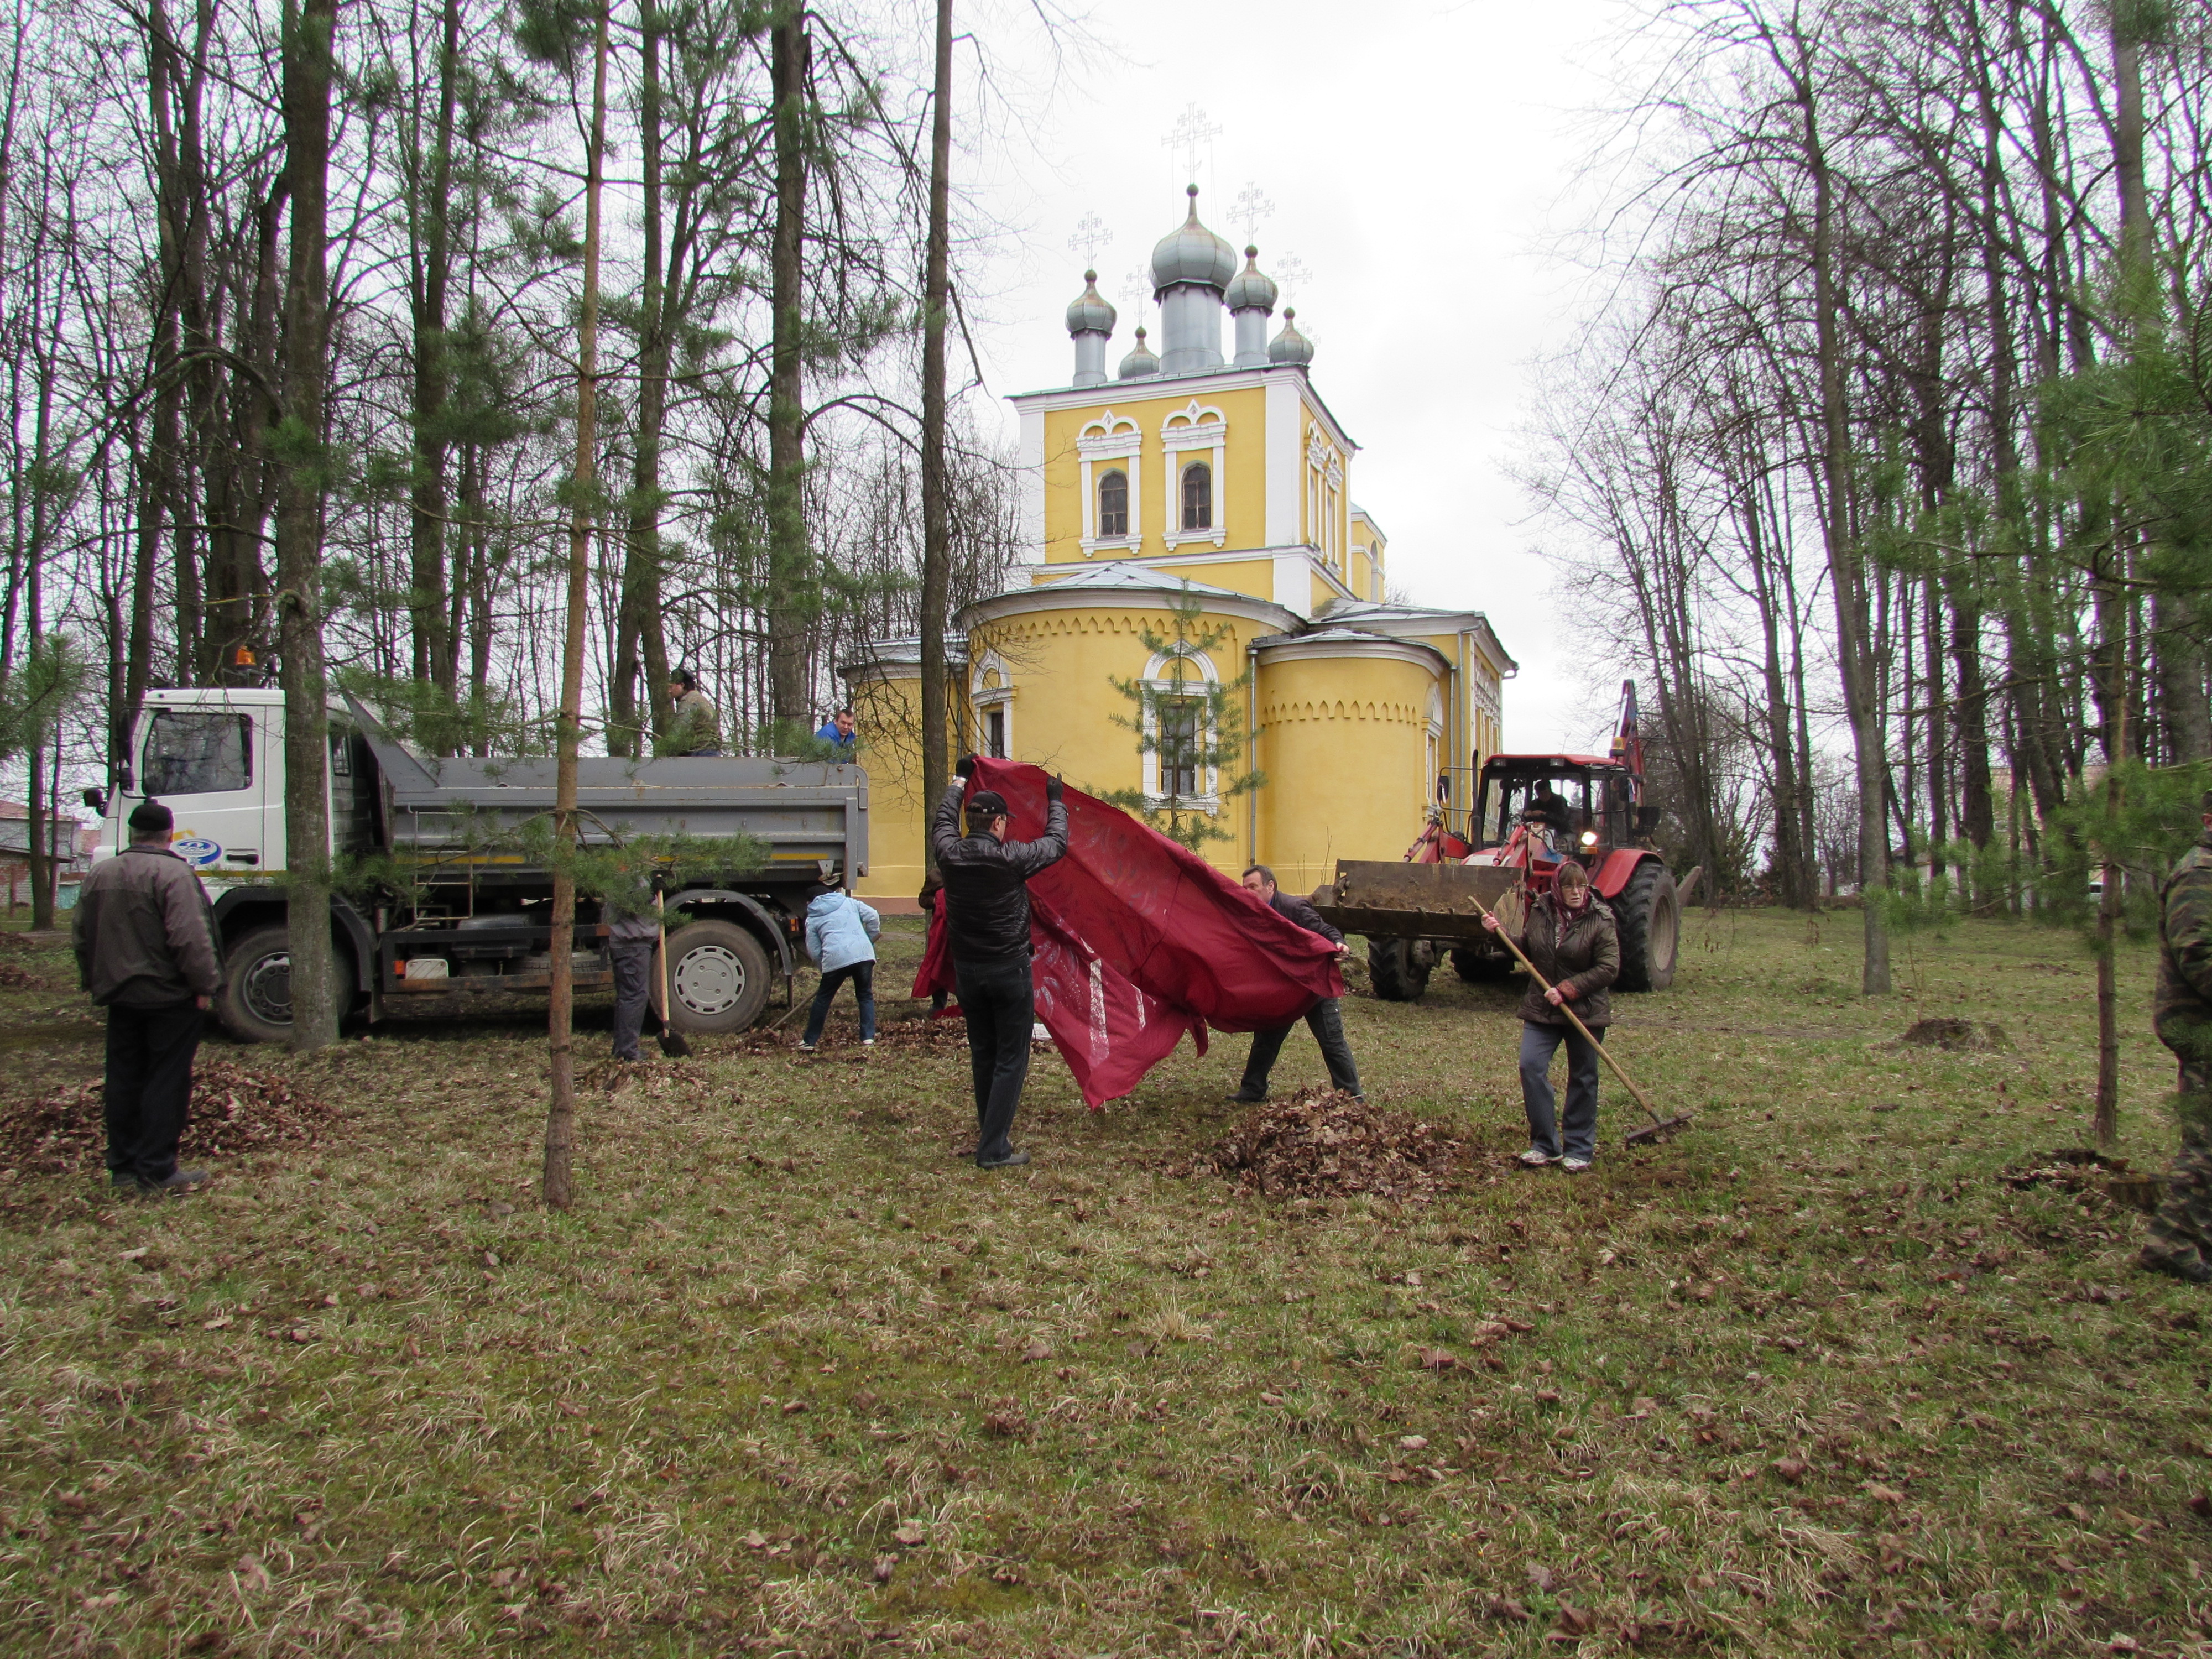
(718, 975)
(1648, 915)
(1398, 969)
(1480, 967)
(255, 1003)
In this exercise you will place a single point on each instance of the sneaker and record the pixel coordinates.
(1574, 1165)
(1013, 1159)
(805, 1048)
(179, 1181)
(2186, 1265)
(867, 1043)
(1536, 1158)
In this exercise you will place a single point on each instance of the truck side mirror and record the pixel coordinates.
(1647, 819)
(97, 801)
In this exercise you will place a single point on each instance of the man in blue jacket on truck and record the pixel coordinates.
(986, 929)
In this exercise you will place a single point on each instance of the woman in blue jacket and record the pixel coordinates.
(841, 938)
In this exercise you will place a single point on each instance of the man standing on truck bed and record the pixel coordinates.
(697, 727)
(986, 925)
(1325, 1019)
(145, 949)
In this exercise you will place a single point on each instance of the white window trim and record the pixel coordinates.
(1110, 438)
(1204, 427)
(984, 699)
(1325, 499)
(1157, 678)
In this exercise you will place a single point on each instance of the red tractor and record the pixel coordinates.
(1532, 812)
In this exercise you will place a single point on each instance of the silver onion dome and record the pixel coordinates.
(1089, 313)
(1140, 362)
(1251, 289)
(1192, 253)
(1289, 346)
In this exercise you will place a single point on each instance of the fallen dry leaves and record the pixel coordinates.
(234, 1111)
(1324, 1143)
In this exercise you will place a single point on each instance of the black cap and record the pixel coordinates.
(985, 804)
(150, 817)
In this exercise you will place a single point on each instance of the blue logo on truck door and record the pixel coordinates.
(197, 850)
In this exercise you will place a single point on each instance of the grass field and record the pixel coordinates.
(793, 1378)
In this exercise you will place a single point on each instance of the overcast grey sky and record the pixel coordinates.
(1423, 162)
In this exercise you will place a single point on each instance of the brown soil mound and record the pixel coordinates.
(13, 977)
(234, 1111)
(1324, 1144)
(1954, 1036)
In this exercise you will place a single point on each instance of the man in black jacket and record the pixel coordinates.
(987, 926)
(145, 949)
(1326, 1018)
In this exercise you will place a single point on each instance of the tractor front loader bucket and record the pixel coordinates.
(1413, 901)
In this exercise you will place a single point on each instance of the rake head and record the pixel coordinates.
(1652, 1134)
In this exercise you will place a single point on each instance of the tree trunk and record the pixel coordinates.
(560, 1190)
(1847, 572)
(635, 720)
(309, 42)
(430, 220)
(790, 608)
(936, 516)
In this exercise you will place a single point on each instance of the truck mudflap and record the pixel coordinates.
(1396, 900)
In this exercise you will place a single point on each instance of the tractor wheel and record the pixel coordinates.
(1480, 967)
(718, 974)
(1398, 969)
(1649, 918)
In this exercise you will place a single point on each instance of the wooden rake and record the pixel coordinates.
(1660, 1128)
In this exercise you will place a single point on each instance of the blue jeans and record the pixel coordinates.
(863, 975)
(1538, 1044)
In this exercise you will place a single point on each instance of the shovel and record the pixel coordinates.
(1659, 1129)
(672, 1040)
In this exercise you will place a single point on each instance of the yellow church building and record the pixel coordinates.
(1189, 476)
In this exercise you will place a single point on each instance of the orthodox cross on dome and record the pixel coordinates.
(1251, 209)
(1191, 132)
(1090, 236)
(1290, 275)
(1137, 291)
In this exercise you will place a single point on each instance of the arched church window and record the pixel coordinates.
(1197, 496)
(1114, 504)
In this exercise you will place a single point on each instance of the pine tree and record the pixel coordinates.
(1187, 724)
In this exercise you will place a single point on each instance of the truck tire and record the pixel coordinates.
(255, 1003)
(1397, 968)
(1649, 916)
(1480, 967)
(718, 975)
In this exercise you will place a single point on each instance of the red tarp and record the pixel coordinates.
(1139, 940)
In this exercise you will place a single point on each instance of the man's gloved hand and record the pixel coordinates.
(1053, 786)
(964, 767)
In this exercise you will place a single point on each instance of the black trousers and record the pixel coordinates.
(1325, 1021)
(631, 959)
(149, 1086)
(999, 1003)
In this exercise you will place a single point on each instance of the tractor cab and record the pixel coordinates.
(1532, 810)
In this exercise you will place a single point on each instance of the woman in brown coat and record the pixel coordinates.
(1570, 938)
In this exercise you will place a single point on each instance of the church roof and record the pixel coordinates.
(1127, 576)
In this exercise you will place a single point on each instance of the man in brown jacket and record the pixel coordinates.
(1571, 939)
(145, 949)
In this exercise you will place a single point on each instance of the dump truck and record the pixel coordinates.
(450, 910)
(1531, 812)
